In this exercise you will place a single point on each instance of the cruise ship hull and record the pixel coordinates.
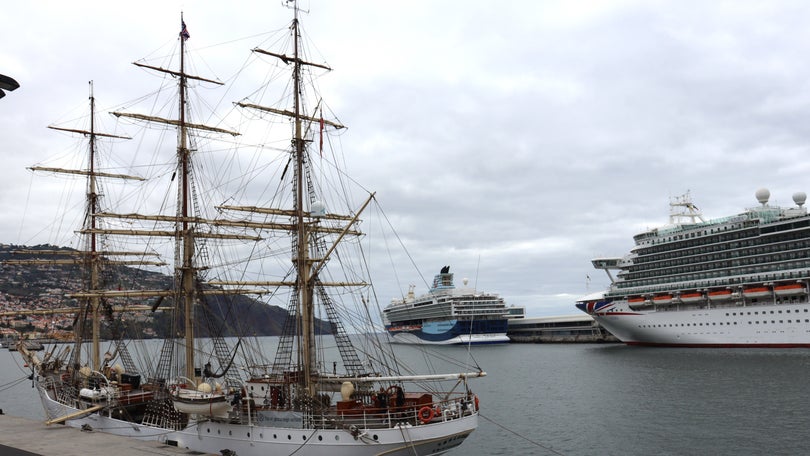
(764, 325)
(450, 332)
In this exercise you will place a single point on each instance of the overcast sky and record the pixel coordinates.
(513, 141)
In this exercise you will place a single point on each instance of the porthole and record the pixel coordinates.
(289, 437)
(320, 437)
(375, 437)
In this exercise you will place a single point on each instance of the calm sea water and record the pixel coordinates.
(607, 400)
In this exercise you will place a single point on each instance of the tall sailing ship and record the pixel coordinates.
(738, 281)
(447, 315)
(230, 396)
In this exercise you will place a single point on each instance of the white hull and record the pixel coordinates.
(464, 339)
(755, 325)
(255, 440)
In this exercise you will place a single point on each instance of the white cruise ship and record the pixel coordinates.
(449, 315)
(739, 281)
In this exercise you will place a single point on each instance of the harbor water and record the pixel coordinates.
(610, 399)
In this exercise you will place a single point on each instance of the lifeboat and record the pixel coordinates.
(638, 302)
(756, 292)
(201, 403)
(789, 289)
(691, 297)
(662, 299)
(719, 295)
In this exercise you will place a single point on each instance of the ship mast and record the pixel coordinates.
(186, 237)
(307, 322)
(90, 258)
(92, 206)
(185, 293)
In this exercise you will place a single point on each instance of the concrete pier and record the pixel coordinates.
(24, 437)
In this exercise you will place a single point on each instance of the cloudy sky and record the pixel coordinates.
(513, 141)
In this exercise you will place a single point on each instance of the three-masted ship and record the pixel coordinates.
(214, 394)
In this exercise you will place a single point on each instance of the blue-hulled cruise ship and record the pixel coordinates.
(447, 315)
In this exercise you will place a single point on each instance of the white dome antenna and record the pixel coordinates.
(763, 195)
(799, 198)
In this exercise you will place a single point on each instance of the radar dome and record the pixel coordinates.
(799, 198)
(204, 388)
(318, 209)
(763, 195)
(465, 280)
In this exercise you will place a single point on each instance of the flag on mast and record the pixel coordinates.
(184, 31)
(321, 131)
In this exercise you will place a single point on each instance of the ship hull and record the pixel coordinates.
(451, 332)
(256, 440)
(761, 325)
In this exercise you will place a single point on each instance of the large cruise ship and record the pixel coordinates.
(739, 281)
(447, 315)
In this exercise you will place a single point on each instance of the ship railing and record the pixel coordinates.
(393, 416)
(367, 417)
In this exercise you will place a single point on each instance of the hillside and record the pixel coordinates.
(43, 287)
